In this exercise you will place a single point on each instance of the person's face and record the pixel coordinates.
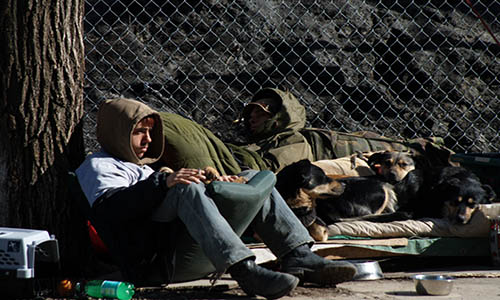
(257, 117)
(141, 136)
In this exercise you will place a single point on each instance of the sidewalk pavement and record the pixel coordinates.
(472, 282)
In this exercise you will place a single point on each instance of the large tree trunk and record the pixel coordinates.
(41, 88)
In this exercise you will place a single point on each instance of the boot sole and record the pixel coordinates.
(277, 295)
(286, 291)
(330, 275)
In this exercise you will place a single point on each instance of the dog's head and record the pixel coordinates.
(461, 192)
(302, 182)
(393, 166)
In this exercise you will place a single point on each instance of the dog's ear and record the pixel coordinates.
(421, 161)
(438, 156)
(375, 160)
(446, 188)
(304, 163)
(293, 177)
(452, 181)
(491, 196)
(305, 169)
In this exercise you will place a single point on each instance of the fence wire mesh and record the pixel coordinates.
(400, 68)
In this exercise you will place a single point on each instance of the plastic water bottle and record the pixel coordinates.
(106, 289)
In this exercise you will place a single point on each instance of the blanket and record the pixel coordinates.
(479, 226)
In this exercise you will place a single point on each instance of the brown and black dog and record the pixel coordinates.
(392, 166)
(400, 191)
(301, 184)
(319, 199)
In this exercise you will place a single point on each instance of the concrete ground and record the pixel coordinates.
(468, 284)
(473, 282)
(475, 279)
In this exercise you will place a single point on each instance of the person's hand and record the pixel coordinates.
(185, 176)
(227, 178)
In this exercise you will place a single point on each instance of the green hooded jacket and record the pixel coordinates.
(279, 141)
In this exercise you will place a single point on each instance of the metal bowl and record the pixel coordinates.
(367, 270)
(439, 285)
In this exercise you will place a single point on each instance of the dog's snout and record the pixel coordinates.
(338, 188)
(461, 219)
(392, 176)
(324, 191)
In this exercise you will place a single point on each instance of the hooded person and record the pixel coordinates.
(121, 189)
(273, 120)
(163, 227)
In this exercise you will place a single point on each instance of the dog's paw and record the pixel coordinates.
(241, 180)
(318, 232)
(212, 174)
(165, 170)
(257, 237)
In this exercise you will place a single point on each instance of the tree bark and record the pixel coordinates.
(41, 88)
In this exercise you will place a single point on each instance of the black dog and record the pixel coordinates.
(427, 190)
(442, 192)
(431, 191)
(449, 192)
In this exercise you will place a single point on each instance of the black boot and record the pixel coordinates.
(256, 280)
(312, 268)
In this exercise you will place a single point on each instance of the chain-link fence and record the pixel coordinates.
(404, 69)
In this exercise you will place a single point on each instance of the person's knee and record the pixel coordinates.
(187, 190)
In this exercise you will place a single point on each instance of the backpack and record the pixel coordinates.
(328, 144)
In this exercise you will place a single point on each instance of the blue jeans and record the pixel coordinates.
(210, 240)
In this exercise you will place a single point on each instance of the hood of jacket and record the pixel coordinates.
(290, 115)
(116, 121)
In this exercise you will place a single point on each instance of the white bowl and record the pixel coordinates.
(438, 285)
